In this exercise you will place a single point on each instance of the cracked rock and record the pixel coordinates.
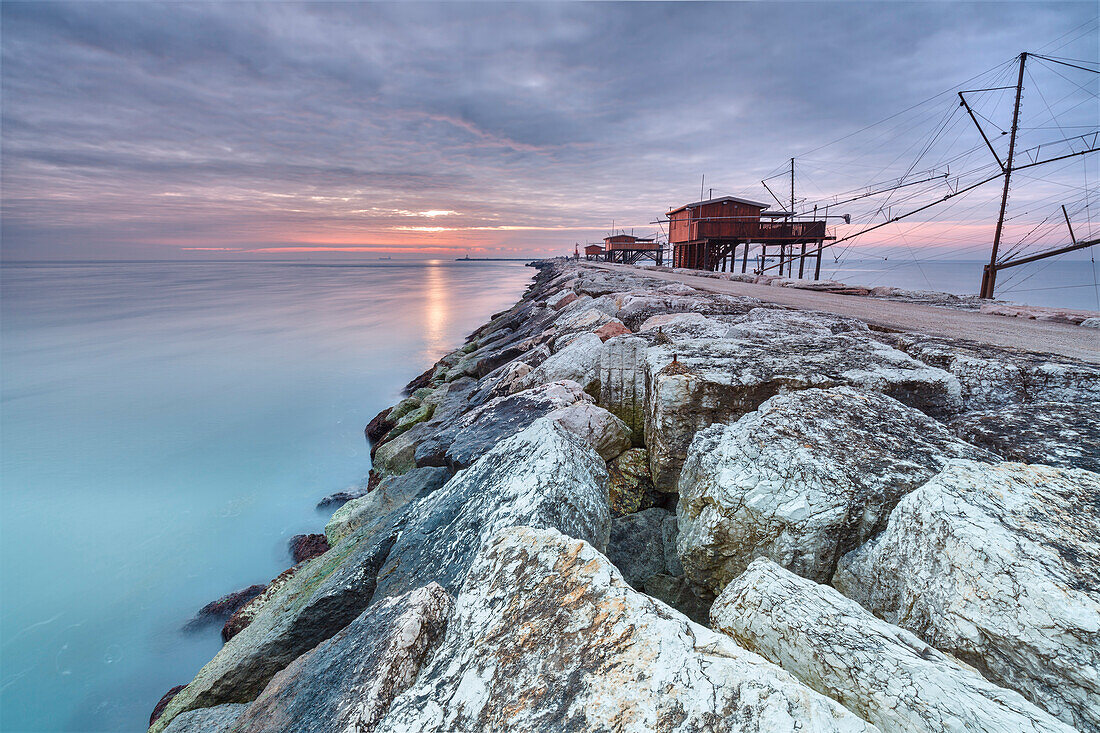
(991, 376)
(882, 673)
(466, 438)
(719, 380)
(547, 636)
(544, 477)
(1063, 434)
(349, 681)
(1000, 567)
(802, 480)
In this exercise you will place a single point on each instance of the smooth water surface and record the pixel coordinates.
(166, 428)
(1059, 283)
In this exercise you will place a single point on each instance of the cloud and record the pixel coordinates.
(139, 129)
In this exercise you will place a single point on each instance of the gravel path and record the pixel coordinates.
(1018, 333)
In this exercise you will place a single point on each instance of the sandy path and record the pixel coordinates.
(1019, 333)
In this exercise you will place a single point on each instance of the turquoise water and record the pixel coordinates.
(166, 428)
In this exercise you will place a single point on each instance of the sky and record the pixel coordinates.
(188, 130)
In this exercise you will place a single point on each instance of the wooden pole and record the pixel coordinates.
(989, 278)
(1068, 225)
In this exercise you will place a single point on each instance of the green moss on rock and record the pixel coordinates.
(630, 488)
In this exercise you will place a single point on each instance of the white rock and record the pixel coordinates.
(769, 323)
(546, 636)
(391, 493)
(603, 431)
(579, 362)
(677, 289)
(544, 476)
(990, 376)
(718, 380)
(685, 325)
(999, 566)
(802, 480)
(882, 673)
(562, 296)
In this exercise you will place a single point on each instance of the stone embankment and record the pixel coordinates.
(628, 505)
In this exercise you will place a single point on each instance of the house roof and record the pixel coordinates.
(719, 200)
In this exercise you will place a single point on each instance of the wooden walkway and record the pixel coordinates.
(1017, 333)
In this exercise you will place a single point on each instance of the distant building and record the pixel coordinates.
(628, 249)
(593, 252)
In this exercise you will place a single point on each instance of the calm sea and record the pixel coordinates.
(1059, 283)
(166, 428)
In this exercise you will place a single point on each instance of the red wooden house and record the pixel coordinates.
(628, 249)
(704, 235)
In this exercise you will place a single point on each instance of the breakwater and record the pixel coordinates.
(626, 504)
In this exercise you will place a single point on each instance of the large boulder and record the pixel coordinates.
(999, 566)
(699, 382)
(349, 681)
(768, 323)
(318, 600)
(802, 480)
(466, 438)
(882, 673)
(546, 635)
(684, 326)
(992, 375)
(569, 326)
(578, 362)
(599, 428)
(500, 383)
(216, 719)
(392, 493)
(1064, 434)
(446, 404)
(622, 382)
(611, 329)
(635, 308)
(545, 476)
(398, 456)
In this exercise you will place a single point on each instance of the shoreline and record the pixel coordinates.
(618, 441)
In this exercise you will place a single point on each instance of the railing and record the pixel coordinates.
(792, 230)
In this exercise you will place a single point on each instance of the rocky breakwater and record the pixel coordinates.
(556, 505)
